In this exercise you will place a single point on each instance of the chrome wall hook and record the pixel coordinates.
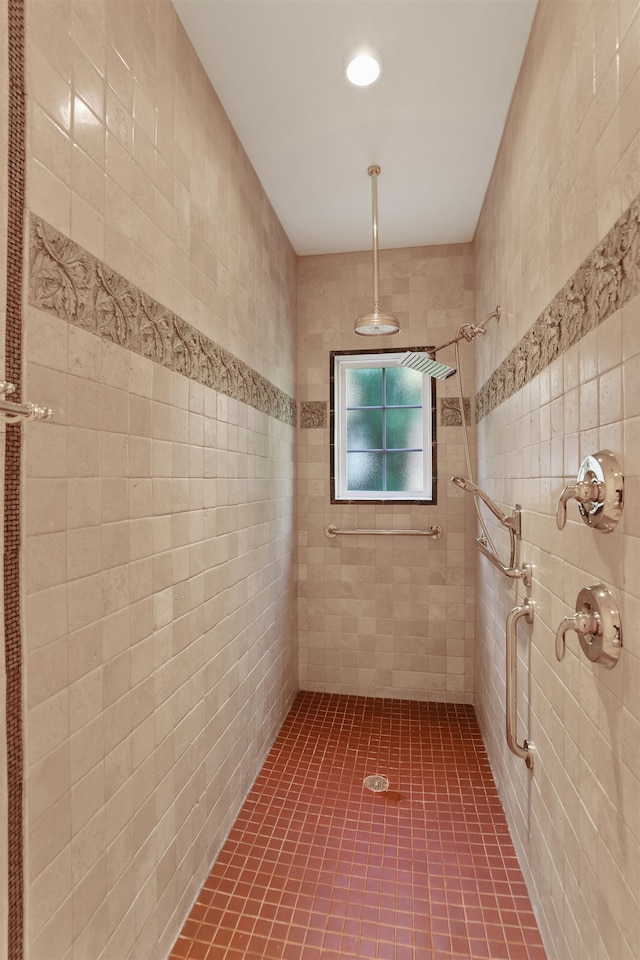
(598, 625)
(15, 412)
(599, 490)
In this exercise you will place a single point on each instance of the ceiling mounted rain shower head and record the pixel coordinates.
(375, 323)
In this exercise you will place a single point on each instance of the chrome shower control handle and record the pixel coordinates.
(597, 623)
(582, 623)
(585, 491)
(599, 491)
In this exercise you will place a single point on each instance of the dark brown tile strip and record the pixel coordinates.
(607, 279)
(72, 284)
(13, 368)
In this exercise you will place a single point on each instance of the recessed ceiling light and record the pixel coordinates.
(363, 70)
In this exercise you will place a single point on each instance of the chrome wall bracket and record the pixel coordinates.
(599, 490)
(598, 625)
(16, 412)
(515, 569)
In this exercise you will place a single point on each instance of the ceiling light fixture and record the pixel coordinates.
(375, 323)
(363, 70)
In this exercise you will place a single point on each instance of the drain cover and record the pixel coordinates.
(377, 783)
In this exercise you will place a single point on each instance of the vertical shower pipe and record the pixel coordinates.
(521, 750)
(373, 172)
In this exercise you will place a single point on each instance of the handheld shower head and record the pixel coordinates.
(465, 484)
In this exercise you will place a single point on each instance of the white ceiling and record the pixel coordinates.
(432, 121)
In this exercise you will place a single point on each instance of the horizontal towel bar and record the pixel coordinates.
(434, 531)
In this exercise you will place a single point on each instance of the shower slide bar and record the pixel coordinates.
(513, 524)
(523, 750)
(514, 573)
(434, 531)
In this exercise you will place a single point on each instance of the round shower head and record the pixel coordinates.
(376, 323)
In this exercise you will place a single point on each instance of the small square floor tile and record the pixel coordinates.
(318, 867)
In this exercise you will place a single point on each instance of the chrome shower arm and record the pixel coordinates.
(469, 331)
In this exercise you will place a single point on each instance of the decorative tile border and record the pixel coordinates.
(72, 284)
(16, 157)
(604, 282)
(450, 415)
(313, 413)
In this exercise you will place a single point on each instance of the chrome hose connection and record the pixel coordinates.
(469, 331)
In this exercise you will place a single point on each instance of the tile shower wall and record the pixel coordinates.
(159, 572)
(379, 615)
(567, 179)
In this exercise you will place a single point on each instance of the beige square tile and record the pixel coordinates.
(86, 698)
(51, 888)
(83, 552)
(44, 561)
(45, 616)
(48, 725)
(44, 500)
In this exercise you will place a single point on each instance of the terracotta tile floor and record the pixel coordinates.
(317, 867)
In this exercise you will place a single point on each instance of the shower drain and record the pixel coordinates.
(376, 782)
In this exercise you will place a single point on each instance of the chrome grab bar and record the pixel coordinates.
(521, 750)
(514, 573)
(434, 531)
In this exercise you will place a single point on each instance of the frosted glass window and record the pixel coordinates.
(382, 429)
(403, 386)
(364, 429)
(404, 428)
(404, 471)
(364, 471)
(364, 387)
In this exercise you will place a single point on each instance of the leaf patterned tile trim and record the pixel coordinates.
(313, 414)
(72, 284)
(450, 415)
(602, 284)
